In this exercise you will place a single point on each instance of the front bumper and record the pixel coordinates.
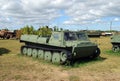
(84, 51)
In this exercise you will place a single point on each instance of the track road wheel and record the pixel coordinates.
(116, 48)
(40, 54)
(34, 53)
(63, 57)
(24, 50)
(48, 56)
(56, 58)
(29, 51)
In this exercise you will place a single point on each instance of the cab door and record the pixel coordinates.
(56, 39)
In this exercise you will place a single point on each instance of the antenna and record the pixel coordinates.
(110, 25)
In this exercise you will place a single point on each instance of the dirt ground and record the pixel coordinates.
(15, 67)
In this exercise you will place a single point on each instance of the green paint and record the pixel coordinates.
(48, 56)
(29, 52)
(24, 51)
(56, 58)
(40, 54)
(34, 53)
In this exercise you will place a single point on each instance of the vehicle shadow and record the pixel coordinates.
(84, 61)
(4, 51)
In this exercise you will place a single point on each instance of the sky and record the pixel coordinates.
(66, 14)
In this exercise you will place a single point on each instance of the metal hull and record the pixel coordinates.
(84, 51)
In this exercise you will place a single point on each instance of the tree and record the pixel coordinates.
(61, 29)
(56, 28)
(28, 30)
(42, 31)
(31, 30)
(45, 31)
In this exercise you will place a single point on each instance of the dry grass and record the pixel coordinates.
(15, 67)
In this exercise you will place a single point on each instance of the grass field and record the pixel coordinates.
(15, 67)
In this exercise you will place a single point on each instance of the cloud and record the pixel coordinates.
(46, 11)
(88, 10)
(29, 11)
(116, 19)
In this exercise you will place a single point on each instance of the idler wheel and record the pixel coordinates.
(96, 53)
(63, 57)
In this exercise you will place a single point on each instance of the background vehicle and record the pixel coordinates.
(5, 34)
(115, 40)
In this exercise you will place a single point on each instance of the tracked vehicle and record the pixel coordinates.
(115, 40)
(60, 47)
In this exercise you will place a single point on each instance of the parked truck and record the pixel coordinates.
(5, 34)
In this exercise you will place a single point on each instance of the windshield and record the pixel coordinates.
(82, 36)
(70, 36)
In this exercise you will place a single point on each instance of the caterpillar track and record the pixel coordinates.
(58, 56)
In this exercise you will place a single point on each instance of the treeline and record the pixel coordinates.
(42, 31)
(46, 31)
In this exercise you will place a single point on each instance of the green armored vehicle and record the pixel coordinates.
(115, 40)
(60, 47)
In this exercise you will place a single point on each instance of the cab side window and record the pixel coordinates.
(56, 36)
(69, 36)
